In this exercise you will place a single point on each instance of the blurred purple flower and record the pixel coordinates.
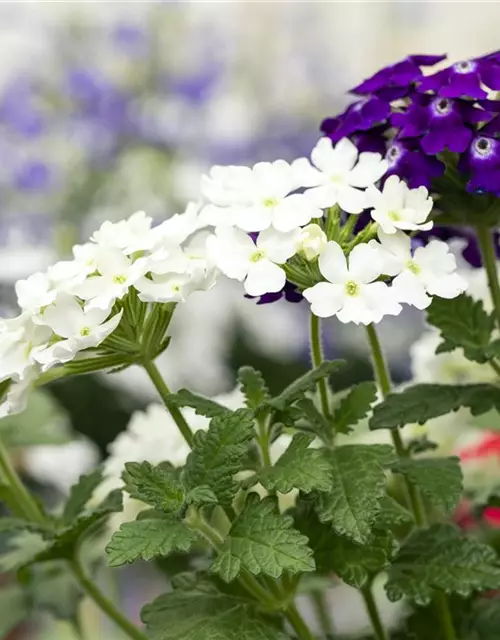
(33, 175)
(20, 110)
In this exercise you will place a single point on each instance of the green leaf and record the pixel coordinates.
(217, 454)
(298, 468)
(23, 549)
(483, 621)
(356, 564)
(263, 542)
(304, 415)
(463, 323)
(14, 608)
(54, 588)
(305, 383)
(392, 514)
(439, 479)
(423, 402)
(358, 484)
(80, 494)
(207, 614)
(98, 363)
(202, 406)
(149, 538)
(253, 387)
(354, 406)
(441, 558)
(201, 496)
(158, 486)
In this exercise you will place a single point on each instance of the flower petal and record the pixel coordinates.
(326, 299)
(333, 263)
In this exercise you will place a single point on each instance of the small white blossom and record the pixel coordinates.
(79, 328)
(351, 293)
(117, 273)
(398, 207)
(311, 241)
(339, 175)
(178, 228)
(254, 199)
(35, 292)
(429, 271)
(255, 263)
(20, 339)
(131, 235)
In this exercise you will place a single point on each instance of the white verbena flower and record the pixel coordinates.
(351, 292)
(79, 328)
(255, 263)
(397, 206)
(254, 199)
(16, 399)
(131, 235)
(35, 292)
(116, 273)
(311, 241)
(339, 175)
(428, 271)
(178, 228)
(20, 340)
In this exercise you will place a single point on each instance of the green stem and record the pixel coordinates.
(372, 610)
(164, 391)
(24, 501)
(317, 359)
(441, 604)
(297, 621)
(324, 617)
(263, 441)
(488, 254)
(105, 604)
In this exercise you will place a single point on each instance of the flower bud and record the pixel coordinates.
(312, 241)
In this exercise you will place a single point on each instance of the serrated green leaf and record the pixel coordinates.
(18, 524)
(423, 402)
(253, 387)
(440, 558)
(392, 514)
(263, 542)
(201, 496)
(464, 324)
(98, 363)
(217, 454)
(80, 494)
(354, 406)
(298, 468)
(149, 538)
(158, 486)
(305, 383)
(14, 608)
(304, 415)
(439, 479)
(207, 614)
(203, 406)
(23, 549)
(358, 485)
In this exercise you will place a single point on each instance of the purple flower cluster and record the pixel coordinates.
(413, 118)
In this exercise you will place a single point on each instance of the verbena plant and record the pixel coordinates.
(350, 233)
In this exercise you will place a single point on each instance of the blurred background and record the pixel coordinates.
(111, 107)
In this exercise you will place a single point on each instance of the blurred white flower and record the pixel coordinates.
(34, 292)
(397, 206)
(311, 241)
(20, 340)
(339, 175)
(130, 235)
(351, 292)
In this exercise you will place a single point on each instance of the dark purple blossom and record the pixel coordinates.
(289, 292)
(359, 116)
(440, 123)
(482, 163)
(394, 81)
(408, 161)
(465, 78)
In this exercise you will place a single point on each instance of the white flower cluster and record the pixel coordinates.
(75, 304)
(271, 213)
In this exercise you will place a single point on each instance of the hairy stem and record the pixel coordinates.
(25, 502)
(487, 247)
(317, 358)
(384, 381)
(373, 614)
(441, 604)
(298, 623)
(164, 392)
(93, 591)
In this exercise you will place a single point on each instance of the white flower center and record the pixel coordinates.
(413, 267)
(442, 106)
(257, 255)
(465, 66)
(337, 178)
(120, 279)
(483, 147)
(352, 288)
(85, 331)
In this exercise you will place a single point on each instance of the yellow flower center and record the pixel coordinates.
(394, 216)
(413, 267)
(352, 288)
(257, 255)
(270, 202)
(85, 331)
(120, 279)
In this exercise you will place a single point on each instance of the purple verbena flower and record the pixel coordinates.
(408, 161)
(394, 81)
(465, 78)
(440, 123)
(362, 115)
(482, 163)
